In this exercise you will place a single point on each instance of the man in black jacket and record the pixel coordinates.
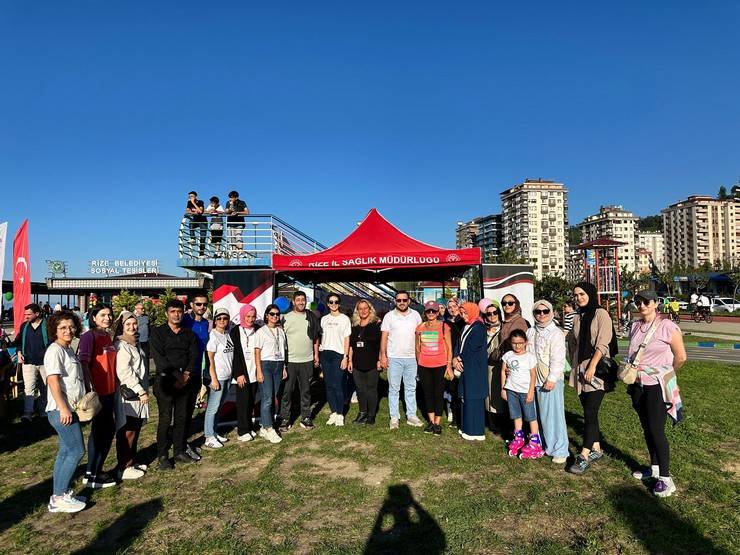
(175, 352)
(31, 342)
(302, 331)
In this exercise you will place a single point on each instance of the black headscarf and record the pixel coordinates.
(585, 349)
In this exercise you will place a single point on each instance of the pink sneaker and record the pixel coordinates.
(516, 444)
(532, 451)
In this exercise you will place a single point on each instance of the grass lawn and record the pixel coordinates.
(370, 490)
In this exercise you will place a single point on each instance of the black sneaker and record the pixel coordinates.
(183, 458)
(284, 427)
(580, 466)
(165, 463)
(437, 430)
(307, 424)
(361, 418)
(429, 429)
(100, 482)
(370, 421)
(192, 452)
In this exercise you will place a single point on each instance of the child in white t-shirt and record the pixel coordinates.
(518, 374)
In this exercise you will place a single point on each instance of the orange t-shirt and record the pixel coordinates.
(433, 351)
(98, 350)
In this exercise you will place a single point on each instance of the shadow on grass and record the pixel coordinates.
(16, 435)
(656, 526)
(412, 529)
(123, 531)
(575, 421)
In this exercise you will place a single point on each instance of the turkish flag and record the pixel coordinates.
(21, 275)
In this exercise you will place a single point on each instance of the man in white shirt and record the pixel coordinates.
(398, 355)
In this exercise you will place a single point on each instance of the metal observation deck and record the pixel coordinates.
(216, 243)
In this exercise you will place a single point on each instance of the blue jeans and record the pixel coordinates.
(272, 371)
(335, 380)
(402, 369)
(215, 400)
(518, 406)
(551, 408)
(71, 450)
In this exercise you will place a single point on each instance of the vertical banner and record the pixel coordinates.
(514, 279)
(3, 240)
(21, 275)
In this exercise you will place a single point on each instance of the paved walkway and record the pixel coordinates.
(720, 330)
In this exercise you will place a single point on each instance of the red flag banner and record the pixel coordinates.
(21, 275)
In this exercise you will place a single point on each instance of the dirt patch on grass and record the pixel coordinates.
(373, 476)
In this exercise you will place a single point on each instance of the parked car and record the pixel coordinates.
(724, 304)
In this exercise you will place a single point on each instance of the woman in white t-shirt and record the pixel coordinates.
(67, 386)
(334, 351)
(220, 351)
(269, 356)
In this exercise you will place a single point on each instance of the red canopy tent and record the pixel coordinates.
(378, 251)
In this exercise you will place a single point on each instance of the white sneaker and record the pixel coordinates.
(646, 473)
(272, 436)
(472, 438)
(332, 419)
(213, 443)
(141, 467)
(222, 439)
(65, 504)
(131, 473)
(414, 421)
(339, 420)
(394, 424)
(559, 460)
(246, 437)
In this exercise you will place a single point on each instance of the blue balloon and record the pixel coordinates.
(282, 303)
(322, 308)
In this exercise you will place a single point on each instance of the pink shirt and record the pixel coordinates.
(657, 352)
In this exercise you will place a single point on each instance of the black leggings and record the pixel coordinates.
(433, 385)
(591, 403)
(648, 402)
(366, 383)
(245, 407)
(102, 432)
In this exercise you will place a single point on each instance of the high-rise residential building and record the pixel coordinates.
(700, 230)
(535, 224)
(649, 250)
(613, 222)
(483, 232)
(574, 270)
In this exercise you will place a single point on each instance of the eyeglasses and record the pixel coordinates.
(489, 314)
(332, 302)
(273, 314)
(644, 302)
(508, 303)
(539, 311)
(200, 304)
(402, 300)
(431, 311)
(517, 343)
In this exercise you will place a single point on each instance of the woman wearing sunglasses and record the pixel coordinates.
(434, 357)
(269, 356)
(455, 320)
(497, 411)
(658, 343)
(513, 320)
(220, 352)
(547, 342)
(591, 339)
(334, 354)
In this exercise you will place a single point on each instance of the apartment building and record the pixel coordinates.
(535, 224)
(701, 229)
(613, 222)
(484, 232)
(649, 250)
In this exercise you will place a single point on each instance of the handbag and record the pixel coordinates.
(128, 394)
(87, 407)
(628, 368)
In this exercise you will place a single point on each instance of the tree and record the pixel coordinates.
(575, 235)
(734, 276)
(722, 194)
(155, 310)
(125, 300)
(651, 223)
(632, 282)
(554, 288)
(509, 256)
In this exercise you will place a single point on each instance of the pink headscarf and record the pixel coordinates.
(243, 311)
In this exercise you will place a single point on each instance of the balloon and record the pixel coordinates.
(483, 304)
(282, 303)
(322, 308)
(442, 301)
(314, 305)
(8, 296)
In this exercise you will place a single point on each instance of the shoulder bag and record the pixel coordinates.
(628, 369)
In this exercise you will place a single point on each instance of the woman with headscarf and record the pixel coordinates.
(132, 407)
(546, 341)
(497, 410)
(471, 364)
(513, 320)
(245, 370)
(455, 321)
(591, 340)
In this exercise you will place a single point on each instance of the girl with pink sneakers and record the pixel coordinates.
(518, 374)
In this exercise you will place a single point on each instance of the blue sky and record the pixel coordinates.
(318, 111)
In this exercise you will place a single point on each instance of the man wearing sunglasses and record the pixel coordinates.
(398, 355)
(196, 321)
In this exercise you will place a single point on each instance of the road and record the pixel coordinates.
(730, 356)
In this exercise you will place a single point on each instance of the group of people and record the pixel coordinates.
(482, 364)
(206, 225)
